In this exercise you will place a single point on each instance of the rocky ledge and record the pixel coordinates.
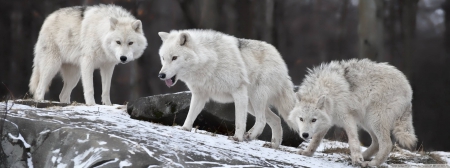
(51, 134)
(172, 109)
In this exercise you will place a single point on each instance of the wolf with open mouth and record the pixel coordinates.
(217, 66)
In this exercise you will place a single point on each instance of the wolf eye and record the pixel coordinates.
(118, 42)
(130, 43)
(301, 119)
(314, 120)
(174, 58)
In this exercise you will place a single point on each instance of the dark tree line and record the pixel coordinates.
(401, 32)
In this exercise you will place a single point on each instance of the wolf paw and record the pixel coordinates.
(357, 159)
(186, 129)
(234, 138)
(271, 145)
(305, 152)
(369, 164)
(107, 103)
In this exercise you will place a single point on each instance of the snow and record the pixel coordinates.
(175, 142)
(25, 144)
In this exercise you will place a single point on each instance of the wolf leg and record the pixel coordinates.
(353, 141)
(106, 71)
(373, 148)
(198, 101)
(258, 107)
(87, 75)
(315, 142)
(275, 124)
(241, 103)
(252, 112)
(47, 70)
(382, 132)
(71, 76)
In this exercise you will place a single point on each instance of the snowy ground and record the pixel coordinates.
(211, 150)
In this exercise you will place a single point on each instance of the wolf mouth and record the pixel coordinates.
(170, 82)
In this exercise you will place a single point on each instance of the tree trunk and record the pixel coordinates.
(408, 13)
(371, 30)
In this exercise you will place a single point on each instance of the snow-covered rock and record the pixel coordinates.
(106, 136)
(172, 109)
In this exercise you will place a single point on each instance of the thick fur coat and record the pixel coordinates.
(223, 68)
(374, 96)
(77, 40)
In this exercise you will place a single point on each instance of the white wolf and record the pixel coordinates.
(374, 96)
(77, 40)
(216, 66)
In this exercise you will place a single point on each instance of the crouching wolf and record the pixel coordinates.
(375, 96)
(77, 40)
(216, 66)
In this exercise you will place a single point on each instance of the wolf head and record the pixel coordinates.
(311, 116)
(177, 54)
(125, 40)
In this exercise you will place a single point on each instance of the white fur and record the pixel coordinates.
(216, 66)
(77, 40)
(374, 96)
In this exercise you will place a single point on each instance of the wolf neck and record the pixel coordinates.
(203, 69)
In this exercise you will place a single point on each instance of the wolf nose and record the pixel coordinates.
(162, 75)
(123, 58)
(305, 135)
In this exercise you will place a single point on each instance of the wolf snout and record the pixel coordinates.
(305, 135)
(123, 59)
(162, 75)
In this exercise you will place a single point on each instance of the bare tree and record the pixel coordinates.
(371, 30)
(408, 12)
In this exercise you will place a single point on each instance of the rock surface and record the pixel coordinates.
(172, 109)
(67, 141)
(106, 136)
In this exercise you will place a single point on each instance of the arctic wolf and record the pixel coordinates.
(375, 96)
(223, 68)
(77, 40)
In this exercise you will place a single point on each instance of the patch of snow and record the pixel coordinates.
(124, 163)
(61, 165)
(102, 142)
(25, 144)
(30, 161)
(56, 151)
(84, 140)
(88, 157)
(44, 132)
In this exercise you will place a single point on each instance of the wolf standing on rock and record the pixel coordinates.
(216, 66)
(374, 96)
(77, 40)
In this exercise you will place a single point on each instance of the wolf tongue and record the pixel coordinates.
(169, 82)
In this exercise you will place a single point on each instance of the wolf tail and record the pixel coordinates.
(34, 81)
(284, 103)
(404, 130)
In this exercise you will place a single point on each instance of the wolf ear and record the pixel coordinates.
(184, 38)
(163, 35)
(323, 103)
(137, 26)
(113, 23)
